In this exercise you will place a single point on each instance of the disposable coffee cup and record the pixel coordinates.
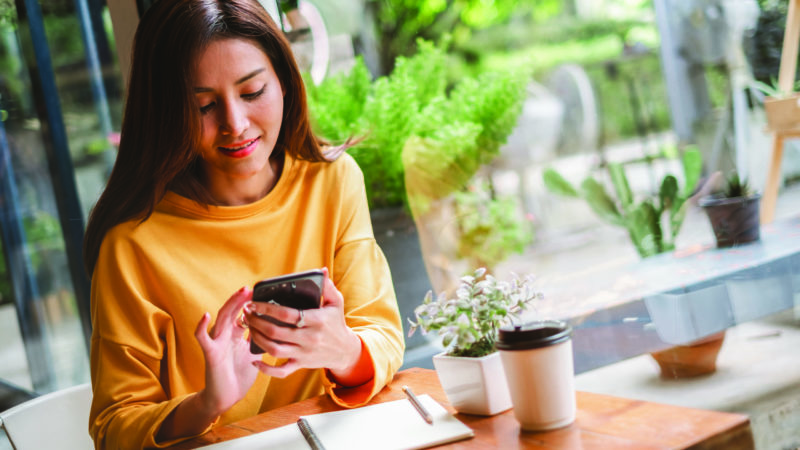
(537, 360)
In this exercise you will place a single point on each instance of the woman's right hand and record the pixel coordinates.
(229, 364)
(229, 371)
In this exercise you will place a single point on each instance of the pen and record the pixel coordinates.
(417, 405)
(309, 434)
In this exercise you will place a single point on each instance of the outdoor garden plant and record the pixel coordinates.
(424, 142)
(469, 322)
(382, 112)
(491, 226)
(652, 220)
(411, 119)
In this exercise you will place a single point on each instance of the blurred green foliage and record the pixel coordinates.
(8, 14)
(491, 226)
(400, 23)
(641, 217)
(42, 231)
(764, 46)
(382, 112)
(411, 111)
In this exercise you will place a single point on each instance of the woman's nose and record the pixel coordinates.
(234, 120)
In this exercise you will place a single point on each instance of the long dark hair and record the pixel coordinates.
(161, 124)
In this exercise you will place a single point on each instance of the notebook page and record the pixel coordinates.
(287, 437)
(390, 425)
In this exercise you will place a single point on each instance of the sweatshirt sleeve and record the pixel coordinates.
(128, 345)
(362, 274)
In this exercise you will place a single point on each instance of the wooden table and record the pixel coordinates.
(603, 422)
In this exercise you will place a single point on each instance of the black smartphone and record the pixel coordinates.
(300, 290)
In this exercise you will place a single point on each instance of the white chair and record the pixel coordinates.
(59, 420)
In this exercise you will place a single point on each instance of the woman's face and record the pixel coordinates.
(241, 105)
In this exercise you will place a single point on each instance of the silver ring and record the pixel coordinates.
(301, 322)
(241, 323)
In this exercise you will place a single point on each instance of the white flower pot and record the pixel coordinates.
(474, 385)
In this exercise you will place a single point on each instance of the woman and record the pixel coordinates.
(220, 183)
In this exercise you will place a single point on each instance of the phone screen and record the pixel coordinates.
(301, 290)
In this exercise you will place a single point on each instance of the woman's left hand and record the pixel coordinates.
(323, 341)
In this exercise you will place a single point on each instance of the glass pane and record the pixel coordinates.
(53, 340)
(89, 86)
(14, 369)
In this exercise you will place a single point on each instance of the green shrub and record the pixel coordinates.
(409, 120)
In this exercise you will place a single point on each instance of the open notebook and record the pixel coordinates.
(390, 425)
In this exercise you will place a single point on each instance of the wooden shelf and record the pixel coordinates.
(791, 40)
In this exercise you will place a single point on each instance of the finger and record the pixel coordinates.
(281, 371)
(330, 294)
(201, 332)
(275, 347)
(278, 314)
(277, 331)
(230, 310)
(234, 305)
(241, 326)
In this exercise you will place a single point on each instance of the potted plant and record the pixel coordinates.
(421, 143)
(470, 369)
(782, 108)
(649, 232)
(380, 113)
(460, 218)
(733, 212)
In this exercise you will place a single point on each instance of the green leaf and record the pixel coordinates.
(668, 193)
(557, 184)
(692, 167)
(771, 90)
(600, 202)
(644, 229)
(621, 186)
(447, 339)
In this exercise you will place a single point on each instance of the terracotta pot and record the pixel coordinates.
(782, 113)
(697, 358)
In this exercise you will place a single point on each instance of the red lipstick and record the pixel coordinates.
(240, 149)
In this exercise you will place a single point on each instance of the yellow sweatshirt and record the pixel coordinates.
(154, 280)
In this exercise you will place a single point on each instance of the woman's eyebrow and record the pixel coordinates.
(239, 81)
(250, 75)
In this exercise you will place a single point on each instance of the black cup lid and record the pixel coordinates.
(532, 335)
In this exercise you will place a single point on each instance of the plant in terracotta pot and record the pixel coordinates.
(781, 107)
(470, 369)
(733, 212)
(653, 222)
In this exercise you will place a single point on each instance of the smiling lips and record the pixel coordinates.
(240, 149)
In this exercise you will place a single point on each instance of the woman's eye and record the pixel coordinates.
(254, 95)
(206, 108)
